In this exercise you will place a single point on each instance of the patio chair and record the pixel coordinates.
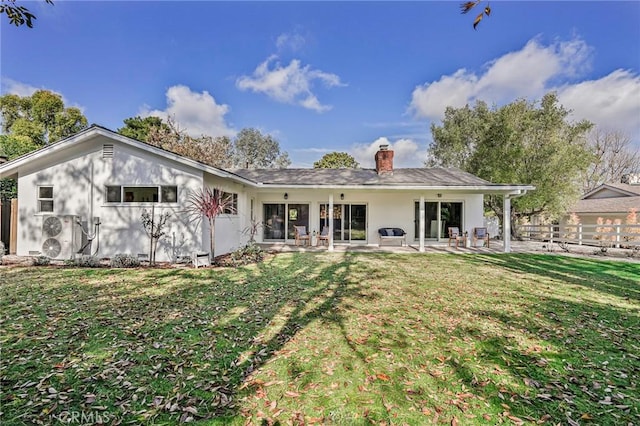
(454, 235)
(323, 236)
(480, 234)
(301, 235)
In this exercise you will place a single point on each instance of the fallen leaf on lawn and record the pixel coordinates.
(292, 394)
(383, 376)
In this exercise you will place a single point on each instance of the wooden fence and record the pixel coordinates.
(605, 235)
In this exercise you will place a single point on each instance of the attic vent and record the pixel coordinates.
(107, 151)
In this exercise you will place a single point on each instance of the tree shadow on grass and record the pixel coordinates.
(154, 346)
(620, 278)
(573, 358)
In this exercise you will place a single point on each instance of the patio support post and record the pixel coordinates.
(330, 217)
(506, 224)
(421, 227)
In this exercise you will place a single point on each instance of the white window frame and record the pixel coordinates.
(124, 202)
(40, 199)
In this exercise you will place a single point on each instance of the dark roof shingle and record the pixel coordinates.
(400, 177)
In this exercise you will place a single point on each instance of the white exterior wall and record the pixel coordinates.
(230, 229)
(79, 189)
(384, 208)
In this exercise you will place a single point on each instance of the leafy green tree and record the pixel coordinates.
(12, 147)
(18, 15)
(253, 150)
(139, 128)
(336, 160)
(168, 135)
(42, 117)
(522, 142)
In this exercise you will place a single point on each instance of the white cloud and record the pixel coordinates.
(197, 113)
(10, 86)
(13, 87)
(611, 102)
(293, 41)
(290, 84)
(406, 153)
(526, 73)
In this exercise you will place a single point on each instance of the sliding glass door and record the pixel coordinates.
(438, 216)
(349, 221)
(279, 220)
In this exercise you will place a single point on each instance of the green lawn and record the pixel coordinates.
(338, 338)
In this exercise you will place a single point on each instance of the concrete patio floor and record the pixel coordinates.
(496, 247)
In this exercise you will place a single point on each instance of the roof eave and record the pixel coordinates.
(496, 189)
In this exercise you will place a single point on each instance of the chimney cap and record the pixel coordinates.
(384, 147)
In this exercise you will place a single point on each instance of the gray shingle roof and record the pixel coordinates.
(401, 177)
(606, 205)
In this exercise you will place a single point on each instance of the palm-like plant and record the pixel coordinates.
(209, 203)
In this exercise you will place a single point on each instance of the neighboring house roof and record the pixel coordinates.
(415, 178)
(609, 198)
(607, 205)
(617, 189)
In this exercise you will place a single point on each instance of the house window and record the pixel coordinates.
(169, 194)
(45, 199)
(141, 194)
(114, 194)
(439, 216)
(233, 206)
(281, 218)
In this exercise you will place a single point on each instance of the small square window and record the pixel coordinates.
(169, 194)
(45, 192)
(45, 199)
(114, 194)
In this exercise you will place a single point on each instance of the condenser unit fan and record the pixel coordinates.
(52, 226)
(51, 247)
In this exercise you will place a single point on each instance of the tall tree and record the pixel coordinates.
(139, 128)
(42, 117)
(336, 160)
(168, 135)
(615, 156)
(18, 15)
(253, 150)
(522, 142)
(12, 147)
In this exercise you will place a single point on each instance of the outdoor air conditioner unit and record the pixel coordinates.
(61, 236)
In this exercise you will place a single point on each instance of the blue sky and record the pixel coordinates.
(327, 76)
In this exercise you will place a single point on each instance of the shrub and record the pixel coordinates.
(41, 261)
(251, 253)
(84, 262)
(124, 261)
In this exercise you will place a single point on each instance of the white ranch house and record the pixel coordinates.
(99, 176)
